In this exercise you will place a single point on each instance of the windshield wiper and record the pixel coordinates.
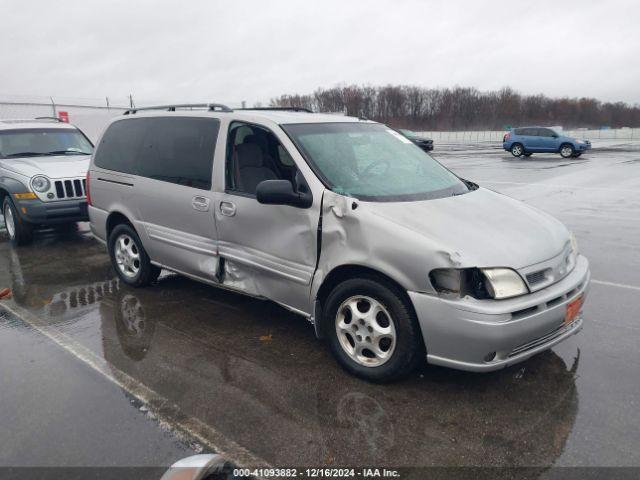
(25, 154)
(68, 152)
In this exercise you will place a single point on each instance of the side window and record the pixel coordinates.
(179, 150)
(254, 154)
(521, 131)
(545, 132)
(119, 146)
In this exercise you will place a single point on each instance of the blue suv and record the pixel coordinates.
(528, 140)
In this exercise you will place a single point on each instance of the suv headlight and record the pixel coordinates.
(40, 184)
(504, 283)
(480, 283)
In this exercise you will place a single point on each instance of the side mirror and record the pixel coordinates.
(280, 192)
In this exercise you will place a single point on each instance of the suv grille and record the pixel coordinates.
(70, 188)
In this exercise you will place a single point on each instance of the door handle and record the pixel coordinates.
(228, 209)
(200, 203)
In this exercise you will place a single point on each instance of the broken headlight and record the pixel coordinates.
(497, 283)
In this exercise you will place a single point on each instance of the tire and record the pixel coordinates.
(528, 154)
(566, 150)
(129, 258)
(401, 345)
(20, 232)
(517, 150)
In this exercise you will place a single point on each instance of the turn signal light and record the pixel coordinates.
(25, 196)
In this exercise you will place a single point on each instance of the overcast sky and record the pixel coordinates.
(228, 51)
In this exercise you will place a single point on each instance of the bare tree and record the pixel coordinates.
(462, 108)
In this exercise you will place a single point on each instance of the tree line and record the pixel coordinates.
(460, 108)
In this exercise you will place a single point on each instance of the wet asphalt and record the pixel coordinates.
(219, 371)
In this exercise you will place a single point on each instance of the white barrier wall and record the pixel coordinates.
(91, 120)
(496, 136)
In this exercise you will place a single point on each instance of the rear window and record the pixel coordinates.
(119, 146)
(526, 131)
(176, 150)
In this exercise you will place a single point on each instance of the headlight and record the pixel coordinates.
(579, 141)
(504, 283)
(478, 283)
(40, 184)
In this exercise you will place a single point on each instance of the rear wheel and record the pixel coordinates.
(517, 150)
(372, 330)
(566, 150)
(20, 232)
(129, 258)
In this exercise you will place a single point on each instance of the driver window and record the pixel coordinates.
(254, 154)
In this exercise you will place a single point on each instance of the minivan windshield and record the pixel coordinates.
(370, 161)
(42, 142)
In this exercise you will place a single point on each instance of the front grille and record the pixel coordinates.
(72, 188)
(536, 277)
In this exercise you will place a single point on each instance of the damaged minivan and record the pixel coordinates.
(391, 256)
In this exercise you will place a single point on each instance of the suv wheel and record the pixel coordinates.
(372, 330)
(517, 150)
(20, 232)
(566, 150)
(129, 258)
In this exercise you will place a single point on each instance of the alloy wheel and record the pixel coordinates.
(9, 221)
(366, 331)
(127, 256)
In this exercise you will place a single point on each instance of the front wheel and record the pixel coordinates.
(20, 232)
(129, 258)
(372, 330)
(517, 150)
(566, 150)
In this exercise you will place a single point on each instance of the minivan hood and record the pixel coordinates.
(481, 228)
(63, 166)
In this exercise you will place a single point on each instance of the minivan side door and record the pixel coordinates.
(173, 193)
(268, 250)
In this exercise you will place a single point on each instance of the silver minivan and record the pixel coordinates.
(392, 257)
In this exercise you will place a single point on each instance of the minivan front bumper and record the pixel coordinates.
(486, 335)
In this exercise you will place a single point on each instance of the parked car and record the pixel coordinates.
(529, 140)
(344, 221)
(43, 164)
(424, 143)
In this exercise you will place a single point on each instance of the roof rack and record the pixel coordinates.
(212, 107)
(56, 119)
(281, 109)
